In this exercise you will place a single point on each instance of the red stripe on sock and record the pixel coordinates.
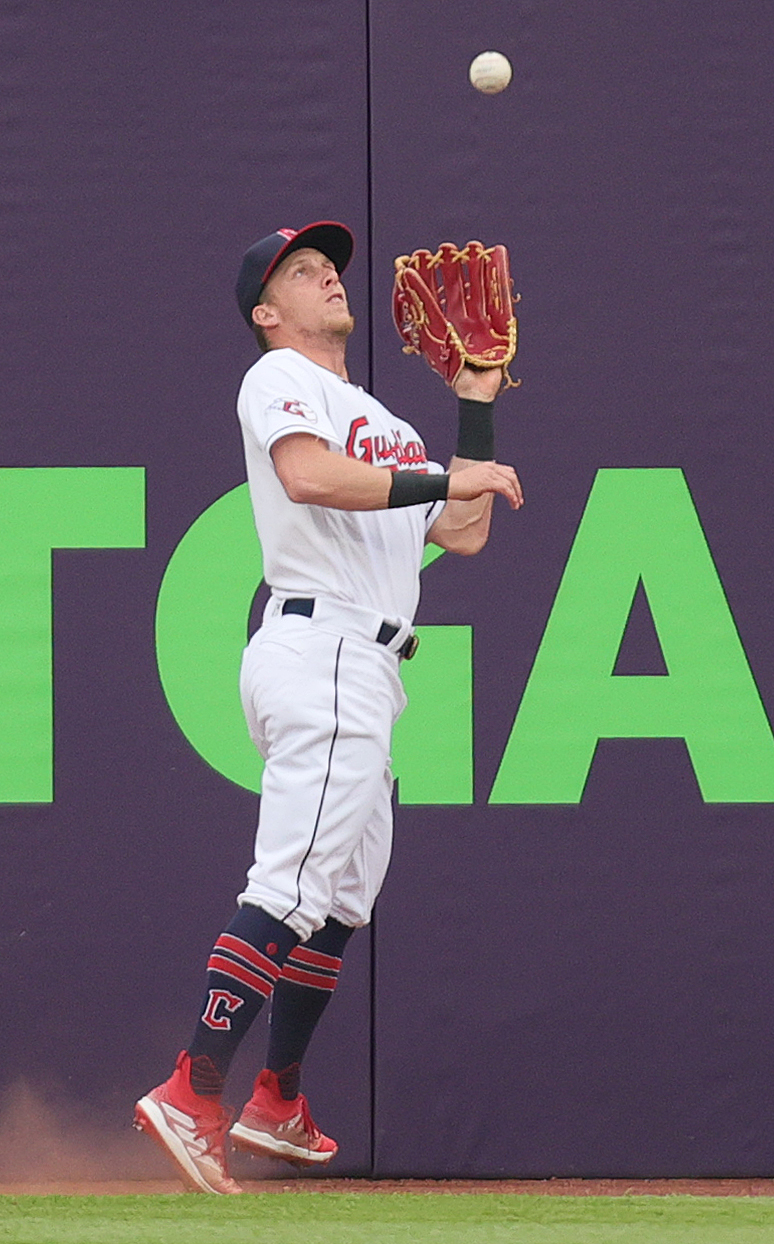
(316, 959)
(227, 941)
(290, 973)
(217, 963)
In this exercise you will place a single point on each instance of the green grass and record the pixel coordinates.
(386, 1218)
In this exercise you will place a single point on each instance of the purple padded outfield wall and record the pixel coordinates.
(559, 980)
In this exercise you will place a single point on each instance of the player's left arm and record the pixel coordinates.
(463, 526)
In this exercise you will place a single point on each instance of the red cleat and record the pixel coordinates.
(275, 1128)
(190, 1129)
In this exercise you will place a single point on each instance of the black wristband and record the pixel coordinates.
(416, 488)
(475, 438)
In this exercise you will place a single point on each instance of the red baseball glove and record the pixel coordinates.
(456, 307)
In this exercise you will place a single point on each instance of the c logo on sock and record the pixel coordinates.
(221, 1000)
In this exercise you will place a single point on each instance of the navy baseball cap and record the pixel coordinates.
(334, 240)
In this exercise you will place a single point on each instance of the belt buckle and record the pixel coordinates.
(410, 647)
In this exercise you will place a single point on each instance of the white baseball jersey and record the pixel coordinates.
(368, 558)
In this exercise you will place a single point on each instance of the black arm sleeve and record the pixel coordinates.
(475, 438)
(414, 488)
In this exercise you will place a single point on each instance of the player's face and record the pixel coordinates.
(307, 297)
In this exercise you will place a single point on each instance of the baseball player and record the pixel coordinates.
(344, 499)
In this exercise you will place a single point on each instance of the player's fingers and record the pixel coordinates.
(510, 485)
(514, 500)
(515, 484)
(505, 487)
(490, 477)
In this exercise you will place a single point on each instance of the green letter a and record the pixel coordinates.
(639, 524)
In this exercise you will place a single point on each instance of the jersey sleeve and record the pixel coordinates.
(279, 400)
(433, 508)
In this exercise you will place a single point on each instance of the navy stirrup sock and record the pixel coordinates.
(242, 970)
(303, 991)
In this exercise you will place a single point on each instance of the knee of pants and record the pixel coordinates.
(303, 921)
(361, 882)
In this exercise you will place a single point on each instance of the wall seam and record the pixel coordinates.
(370, 384)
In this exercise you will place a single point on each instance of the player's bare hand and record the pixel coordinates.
(478, 385)
(483, 477)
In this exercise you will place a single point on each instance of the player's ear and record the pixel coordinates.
(265, 315)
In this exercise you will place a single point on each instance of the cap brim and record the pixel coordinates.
(334, 240)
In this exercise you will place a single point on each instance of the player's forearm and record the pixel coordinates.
(465, 524)
(339, 483)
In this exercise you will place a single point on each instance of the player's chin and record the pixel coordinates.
(342, 323)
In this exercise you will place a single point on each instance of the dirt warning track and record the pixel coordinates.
(516, 1187)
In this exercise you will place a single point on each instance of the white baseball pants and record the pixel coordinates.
(321, 698)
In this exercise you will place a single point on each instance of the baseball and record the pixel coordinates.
(490, 72)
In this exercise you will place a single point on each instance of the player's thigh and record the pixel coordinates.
(361, 881)
(327, 739)
(285, 680)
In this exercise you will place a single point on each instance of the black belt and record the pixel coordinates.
(387, 632)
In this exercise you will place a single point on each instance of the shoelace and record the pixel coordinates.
(310, 1127)
(214, 1130)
